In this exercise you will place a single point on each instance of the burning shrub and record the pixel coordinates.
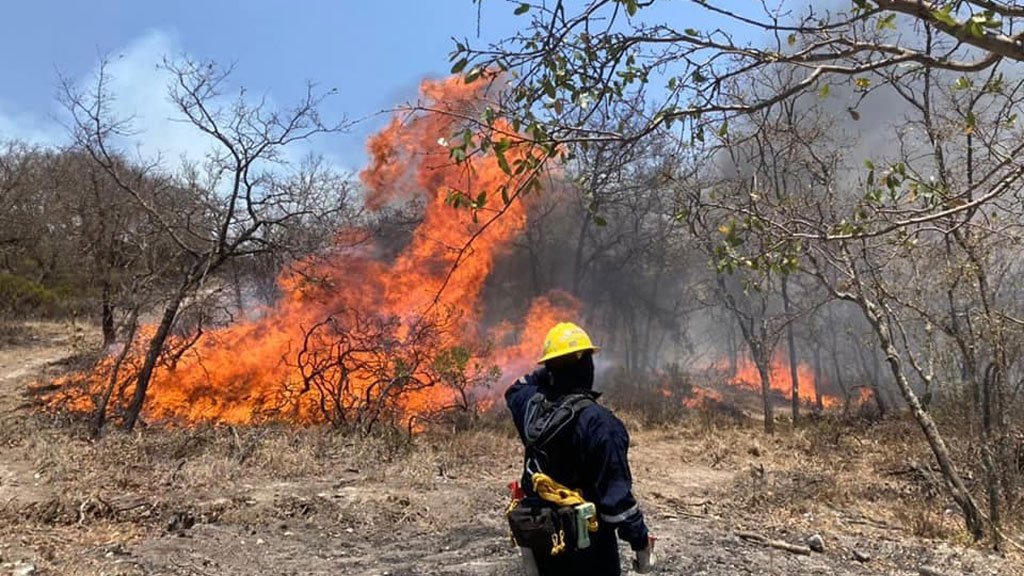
(660, 396)
(360, 370)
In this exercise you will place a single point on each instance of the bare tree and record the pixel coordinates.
(239, 189)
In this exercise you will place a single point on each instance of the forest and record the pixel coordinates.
(793, 229)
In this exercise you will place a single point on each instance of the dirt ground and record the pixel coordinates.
(276, 500)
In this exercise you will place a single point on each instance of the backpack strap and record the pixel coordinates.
(546, 419)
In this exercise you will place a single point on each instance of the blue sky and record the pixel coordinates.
(375, 52)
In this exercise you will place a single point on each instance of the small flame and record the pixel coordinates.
(865, 395)
(701, 397)
(746, 375)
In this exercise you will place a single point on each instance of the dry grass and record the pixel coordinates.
(825, 470)
(877, 471)
(827, 476)
(843, 476)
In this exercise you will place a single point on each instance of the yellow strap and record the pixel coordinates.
(551, 491)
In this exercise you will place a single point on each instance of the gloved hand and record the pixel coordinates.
(645, 560)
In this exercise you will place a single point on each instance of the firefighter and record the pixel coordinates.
(587, 452)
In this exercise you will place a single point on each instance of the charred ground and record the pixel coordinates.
(282, 500)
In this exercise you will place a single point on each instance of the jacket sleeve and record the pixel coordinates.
(518, 395)
(608, 466)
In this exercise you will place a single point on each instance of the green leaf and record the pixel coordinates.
(668, 116)
(791, 40)
(945, 16)
(996, 85)
(630, 7)
(691, 32)
(502, 161)
(863, 83)
(549, 88)
(962, 83)
(459, 66)
(599, 220)
(474, 74)
(724, 130)
(522, 9)
(974, 28)
(823, 93)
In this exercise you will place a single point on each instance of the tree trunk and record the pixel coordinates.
(651, 360)
(100, 418)
(237, 281)
(871, 374)
(794, 380)
(764, 371)
(818, 376)
(972, 516)
(884, 391)
(733, 350)
(107, 318)
(578, 267)
(838, 373)
(156, 346)
(988, 461)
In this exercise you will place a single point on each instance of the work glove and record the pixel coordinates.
(644, 561)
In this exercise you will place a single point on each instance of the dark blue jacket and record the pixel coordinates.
(592, 458)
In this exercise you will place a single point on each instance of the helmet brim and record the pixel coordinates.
(563, 353)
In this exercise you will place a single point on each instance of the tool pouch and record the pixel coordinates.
(544, 529)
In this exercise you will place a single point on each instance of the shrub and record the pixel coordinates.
(22, 297)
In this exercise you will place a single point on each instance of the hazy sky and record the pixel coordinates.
(374, 52)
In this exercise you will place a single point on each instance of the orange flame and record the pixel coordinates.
(702, 396)
(746, 375)
(352, 331)
(690, 395)
(864, 395)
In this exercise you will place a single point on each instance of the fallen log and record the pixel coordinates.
(778, 544)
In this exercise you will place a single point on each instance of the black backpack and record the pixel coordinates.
(545, 420)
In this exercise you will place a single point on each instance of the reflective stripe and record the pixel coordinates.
(634, 509)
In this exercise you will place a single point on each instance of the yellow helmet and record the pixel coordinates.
(564, 339)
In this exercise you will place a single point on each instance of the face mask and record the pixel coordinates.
(574, 374)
